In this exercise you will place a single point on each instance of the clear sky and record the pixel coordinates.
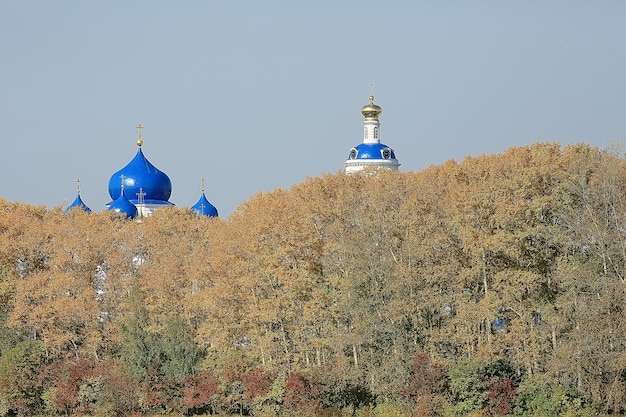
(258, 95)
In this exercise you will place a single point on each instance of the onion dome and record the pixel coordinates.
(122, 205)
(142, 181)
(203, 207)
(371, 111)
(78, 202)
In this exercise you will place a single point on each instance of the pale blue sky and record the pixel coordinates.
(255, 96)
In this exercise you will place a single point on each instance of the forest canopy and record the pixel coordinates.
(494, 285)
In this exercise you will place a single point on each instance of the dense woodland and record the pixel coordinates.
(491, 286)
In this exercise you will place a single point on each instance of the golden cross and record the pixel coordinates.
(202, 182)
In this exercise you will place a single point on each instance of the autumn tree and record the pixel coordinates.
(344, 291)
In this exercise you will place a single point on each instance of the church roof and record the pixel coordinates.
(78, 202)
(142, 181)
(123, 206)
(204, 207)
(371, 111)
(372, 151)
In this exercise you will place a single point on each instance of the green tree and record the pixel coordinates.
(466, 387)
(20, 388)
(181, 353)
(140, 348)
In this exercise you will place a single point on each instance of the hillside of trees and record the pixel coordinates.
(491, 286)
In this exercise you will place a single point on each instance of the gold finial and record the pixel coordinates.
(139, 132)
(371, 111)
(202, 182)
(372, 89)
(78, 186)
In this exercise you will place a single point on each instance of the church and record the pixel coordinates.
(371, 153)
(140, 188)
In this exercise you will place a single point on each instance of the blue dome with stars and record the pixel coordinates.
(142, 181)
(204, 208)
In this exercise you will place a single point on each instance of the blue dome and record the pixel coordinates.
(204, 208)
(372, 151)
(123, 206)
(78, 202)
(141, 174)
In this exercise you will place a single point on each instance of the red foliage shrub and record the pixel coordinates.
(67, 377)
(427, 378)
(198, 390)
(300, 394)
(256, 383)
(501, 397)
(159, 390)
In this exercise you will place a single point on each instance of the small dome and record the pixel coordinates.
(372, 151)
(78, 202)
(140, 176)
(123, 206)
(371, 111)
(204, 208)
